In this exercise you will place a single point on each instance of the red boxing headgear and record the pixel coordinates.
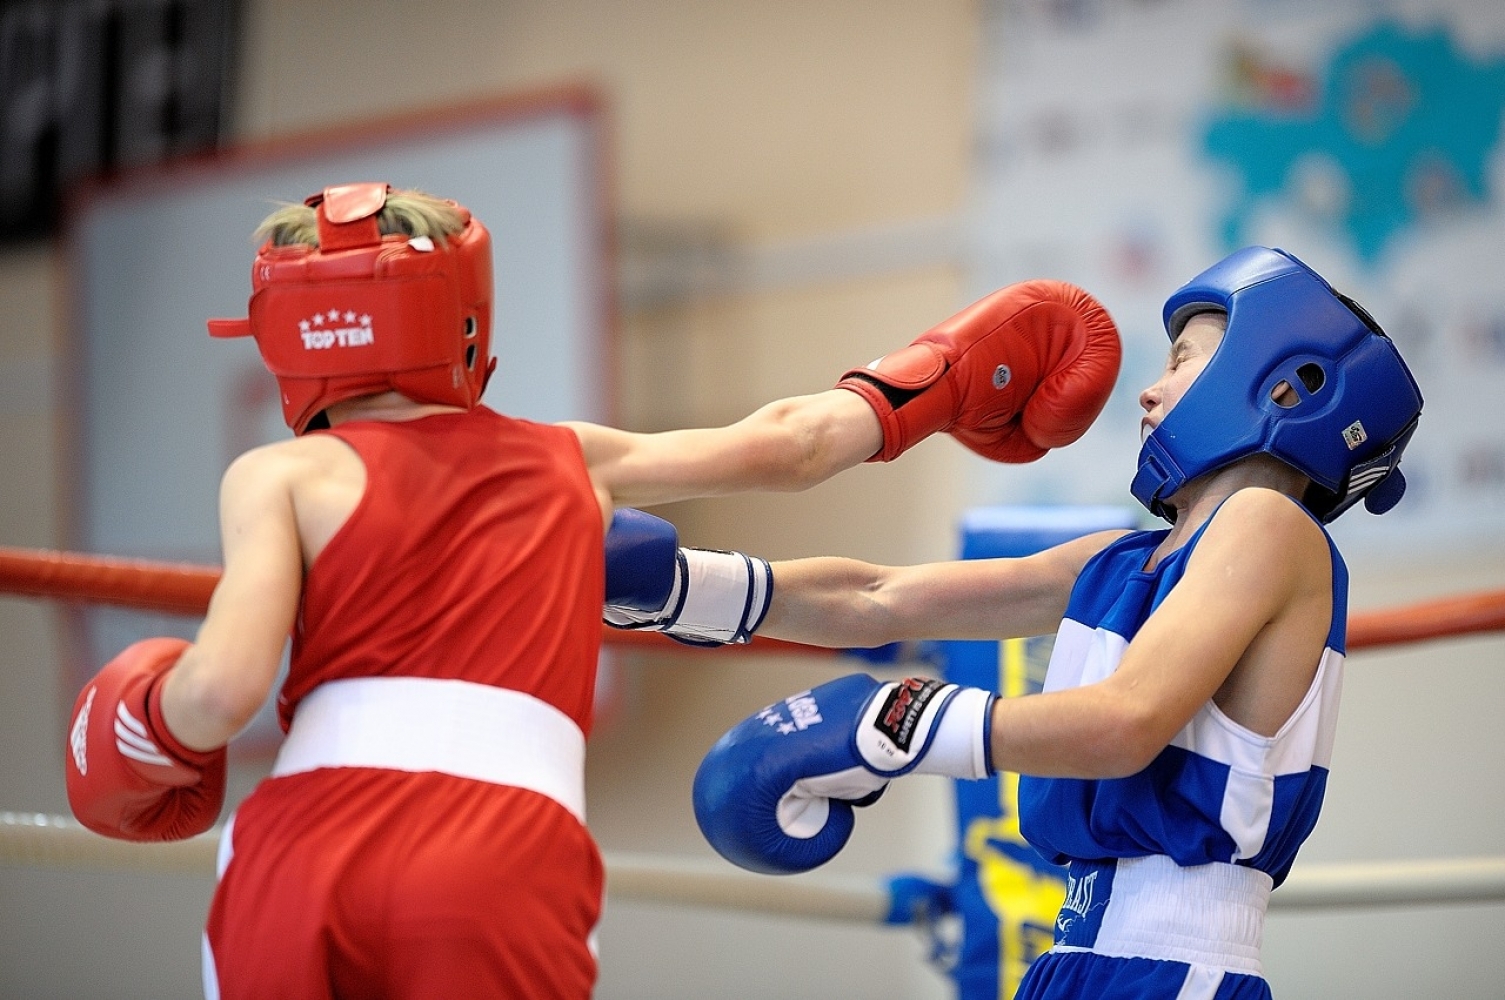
(362, 313)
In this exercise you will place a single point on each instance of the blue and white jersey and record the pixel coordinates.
(1219, 792)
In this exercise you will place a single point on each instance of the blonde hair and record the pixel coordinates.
(412, 213)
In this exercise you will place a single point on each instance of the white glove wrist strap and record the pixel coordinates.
(959, 749)
(726, 595)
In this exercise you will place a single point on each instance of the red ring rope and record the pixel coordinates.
(184, 588)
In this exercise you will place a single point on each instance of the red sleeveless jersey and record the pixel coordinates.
(475, 554)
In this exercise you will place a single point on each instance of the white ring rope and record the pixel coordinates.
(42, 841)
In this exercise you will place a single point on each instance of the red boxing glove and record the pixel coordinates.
(1013, 375)
(128, 777)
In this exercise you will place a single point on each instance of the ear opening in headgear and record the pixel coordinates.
(472, 351)
(1312, 377)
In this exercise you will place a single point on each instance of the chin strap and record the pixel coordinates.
(1152, 481)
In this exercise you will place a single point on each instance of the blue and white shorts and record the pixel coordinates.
(1146, 929)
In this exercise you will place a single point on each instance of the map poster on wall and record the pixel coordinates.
(1128, 145)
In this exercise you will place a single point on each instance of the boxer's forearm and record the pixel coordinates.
(830, 601)
(785, 446)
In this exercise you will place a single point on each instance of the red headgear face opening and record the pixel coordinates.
(363, 313)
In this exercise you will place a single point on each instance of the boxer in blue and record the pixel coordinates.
(1177, 757)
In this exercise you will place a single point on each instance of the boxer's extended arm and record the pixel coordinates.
(847, 603)
(1023, 370)
(717, 597)
(785, 446)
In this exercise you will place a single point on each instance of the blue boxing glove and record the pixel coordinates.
(775, 794)
(698, 596)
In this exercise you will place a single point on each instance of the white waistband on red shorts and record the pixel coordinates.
(1209, 915)
(451, 726)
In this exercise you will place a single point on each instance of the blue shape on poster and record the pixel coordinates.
(1397, 129)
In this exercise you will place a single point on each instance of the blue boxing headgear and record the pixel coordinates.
(1351, 406)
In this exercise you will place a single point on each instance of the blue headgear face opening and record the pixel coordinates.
(1302, 373)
